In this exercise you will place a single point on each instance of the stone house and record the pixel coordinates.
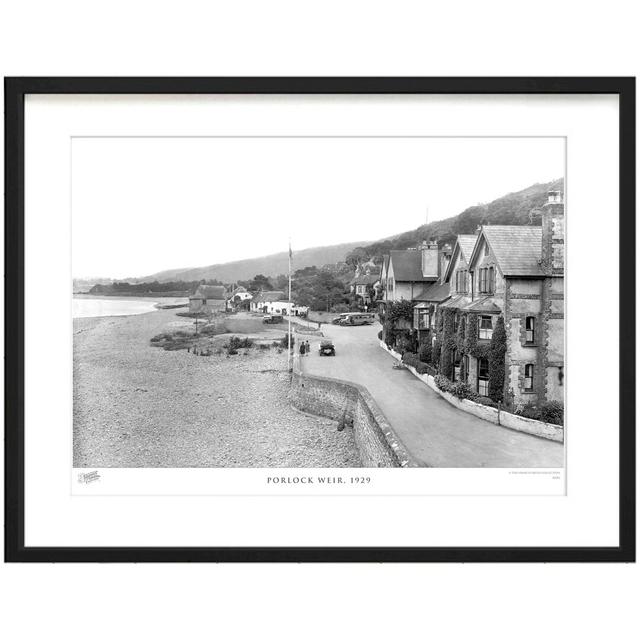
(263, 301)
(516, 272)
(363, 287)
(207, 298)
(416, 275)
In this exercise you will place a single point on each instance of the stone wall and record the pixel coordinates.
(501, 418)
(377, 444)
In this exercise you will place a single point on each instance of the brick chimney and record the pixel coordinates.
(429, 252)
(553, 234)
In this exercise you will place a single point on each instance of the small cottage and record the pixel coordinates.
(207, 298)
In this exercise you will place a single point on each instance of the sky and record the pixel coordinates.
(142, 205)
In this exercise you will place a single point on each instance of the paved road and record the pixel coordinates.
(433, 430)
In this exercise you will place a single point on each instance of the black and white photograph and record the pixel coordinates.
(318, 301)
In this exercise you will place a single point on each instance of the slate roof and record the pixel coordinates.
(484, 305)
(457, 302)
(210, 292)
(467, 242)
(268, 296)
(517, 249)
(407, 266)
(433, 292)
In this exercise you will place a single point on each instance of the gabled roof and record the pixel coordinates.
(467, 242)
(211, 291)
(464, 245)
(385, 265)
(517, 249)
(407, 266)
(268, 296)
(433, 292)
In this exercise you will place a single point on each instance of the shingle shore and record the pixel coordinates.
(140, 406)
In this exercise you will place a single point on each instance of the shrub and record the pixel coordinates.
(448, 341)
(239, 343)
(497, 351)
(232, 352)
(380, 335)
(423, 367)
(400, 310)
(410, 358)
(435, 352)
(405, 343)
(264, 347)
(425, 352)
(443, 383)
(284, 342)
(552, 412)
(463, 391)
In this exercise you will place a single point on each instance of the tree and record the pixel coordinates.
(497, 351)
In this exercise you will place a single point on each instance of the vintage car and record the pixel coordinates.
(326, 348)
(354, 319)
(272, 319)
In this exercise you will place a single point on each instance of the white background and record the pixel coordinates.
(289, 38)
(586, 516)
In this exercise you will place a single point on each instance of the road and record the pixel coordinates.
(435, 432)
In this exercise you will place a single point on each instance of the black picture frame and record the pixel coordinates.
(15, 91)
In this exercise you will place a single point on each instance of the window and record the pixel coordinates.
(461, 281)
(482, 280)
(530, 329)
(486, 249)
(421, 319)
(483, 376)
(486, 280)
(486, 328)
(528, 377)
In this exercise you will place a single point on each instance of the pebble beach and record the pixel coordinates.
(136, 405)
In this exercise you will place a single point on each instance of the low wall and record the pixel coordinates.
(501, 418)
(377, 444)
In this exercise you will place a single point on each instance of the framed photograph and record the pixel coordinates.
(320, 319)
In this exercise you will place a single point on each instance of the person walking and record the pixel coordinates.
(307, 348)
(302, 348)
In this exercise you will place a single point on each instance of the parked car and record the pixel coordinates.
(327, 348)
(272, 319)
(339, 319)
(353, 319)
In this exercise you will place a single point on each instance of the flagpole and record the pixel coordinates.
(289, 314)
